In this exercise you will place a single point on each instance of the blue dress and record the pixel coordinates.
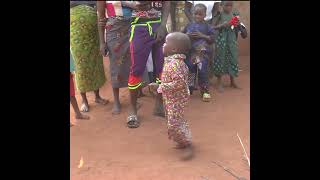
(198, 59)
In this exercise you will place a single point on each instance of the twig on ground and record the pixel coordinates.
(204, 178)
(229, 171)
(80, 163)
(245, 153)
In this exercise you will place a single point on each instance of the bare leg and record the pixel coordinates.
(150, 76)
(133, 101)
(220, 85)
(187, 152)
(233, 83)
(100, 100)
(158, 109)
(76, 109)
(140, 93)
(132, 120)
(85, 104)
(117, 105)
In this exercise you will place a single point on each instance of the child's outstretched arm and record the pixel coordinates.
(221, 26)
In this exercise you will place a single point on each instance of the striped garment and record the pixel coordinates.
(114, 8)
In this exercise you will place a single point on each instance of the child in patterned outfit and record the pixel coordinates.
(174, 89)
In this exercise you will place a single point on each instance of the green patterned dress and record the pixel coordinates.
(226, 55)
(84, 43)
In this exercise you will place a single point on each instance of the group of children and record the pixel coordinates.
(187, 56)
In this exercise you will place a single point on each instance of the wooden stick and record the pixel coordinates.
(81, 162)
(205, 178)
(245, 153)
(229, 171)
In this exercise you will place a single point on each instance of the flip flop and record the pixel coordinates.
(206, 97)
(102, 101)
(84, 108)
(133, 122)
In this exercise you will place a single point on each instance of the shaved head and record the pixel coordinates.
(181, 41)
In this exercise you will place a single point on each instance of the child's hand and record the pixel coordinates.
(197, 35)
(102, 22)
(189, 34)
(159, 90)
(153, 87)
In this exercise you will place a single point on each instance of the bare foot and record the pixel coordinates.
(139, 105)
(211, 83)
(235, 86)
(101, 101)
(158, 108)
(220, 88)
(116, 109)
(83, 117)
(159, 111)
(187, 153)
(160, 114)
(140, 94)
(84, 107)
(72, 124)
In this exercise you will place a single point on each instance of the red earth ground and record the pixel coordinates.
(110, 150)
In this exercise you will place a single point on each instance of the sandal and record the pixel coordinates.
(206, 97)
(132, 121)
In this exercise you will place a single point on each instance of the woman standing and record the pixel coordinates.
(226, 58)
(73, 99)
(84, 44)
(114, 38)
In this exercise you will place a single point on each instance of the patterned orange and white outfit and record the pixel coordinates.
(175, 92)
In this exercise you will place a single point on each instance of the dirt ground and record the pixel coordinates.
(110, 150)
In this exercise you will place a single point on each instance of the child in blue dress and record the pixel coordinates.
(201, 35)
